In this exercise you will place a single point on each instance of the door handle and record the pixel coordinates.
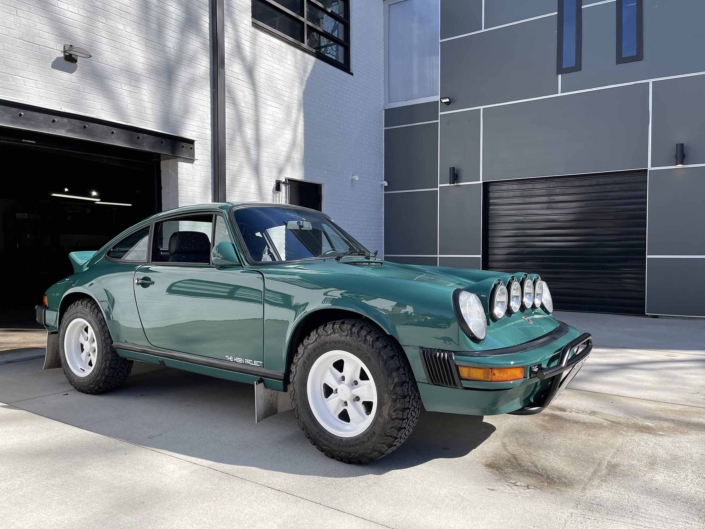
(144, 281)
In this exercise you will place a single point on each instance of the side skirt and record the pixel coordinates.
(201, 364)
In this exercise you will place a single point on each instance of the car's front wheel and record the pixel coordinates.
(87, 356)
(353, 392)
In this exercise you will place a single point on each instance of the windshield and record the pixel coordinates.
(289, 234)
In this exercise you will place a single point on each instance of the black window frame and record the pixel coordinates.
(621, 59)
(578, 38)
(309, 26)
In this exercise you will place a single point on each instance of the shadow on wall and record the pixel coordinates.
(157, 77)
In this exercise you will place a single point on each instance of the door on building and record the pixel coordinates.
(585, 235)
(306, 194)
(61, 196)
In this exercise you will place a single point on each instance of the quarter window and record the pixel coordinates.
(630, 31)
(321, 27)
(132, 248)
(570, 38)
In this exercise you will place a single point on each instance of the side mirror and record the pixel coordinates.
(224, 254)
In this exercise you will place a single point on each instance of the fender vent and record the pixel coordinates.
(440, 368)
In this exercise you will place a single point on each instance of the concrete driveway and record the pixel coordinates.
(624, 446)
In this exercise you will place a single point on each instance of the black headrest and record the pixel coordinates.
(189, 242)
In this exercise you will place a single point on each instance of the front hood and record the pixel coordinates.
(416, 301)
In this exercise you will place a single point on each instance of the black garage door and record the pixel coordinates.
(585, 235)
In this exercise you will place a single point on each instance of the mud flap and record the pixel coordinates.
(269, 402)
(52, 360)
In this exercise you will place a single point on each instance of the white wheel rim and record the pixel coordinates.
(81, 347)
(342, 393)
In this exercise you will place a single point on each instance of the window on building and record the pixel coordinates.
(321, 27)
(630, 30)
(131, 248)
(412, 29)
(570, 38)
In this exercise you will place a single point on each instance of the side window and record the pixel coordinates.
(183, 240)
(131, 248)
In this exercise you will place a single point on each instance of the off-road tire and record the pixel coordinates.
(398, 404)
(110, 371)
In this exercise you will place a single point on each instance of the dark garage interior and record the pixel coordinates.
(105, 190)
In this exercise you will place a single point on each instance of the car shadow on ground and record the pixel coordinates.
(212, 421)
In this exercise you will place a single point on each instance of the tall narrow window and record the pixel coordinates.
(412, 33)
(630, 31)
(570, 36)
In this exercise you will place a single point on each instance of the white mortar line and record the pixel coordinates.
(665, 167)
(419, 101)
(675, 256)
(459, 184)
(410, 124)
(563, 94)
(410, 191)
(499, 27)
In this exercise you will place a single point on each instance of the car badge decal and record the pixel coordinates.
(527, 319)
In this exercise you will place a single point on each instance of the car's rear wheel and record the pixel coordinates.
(353, 392)
(87, 356)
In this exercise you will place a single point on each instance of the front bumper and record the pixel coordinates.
(550, 368)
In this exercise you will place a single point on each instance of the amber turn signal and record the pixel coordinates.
(495, 374)
(45, 300)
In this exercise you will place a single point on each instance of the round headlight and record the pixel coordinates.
(473, 313)
(499, 301)
(538, 292)
(547, 300)
(514, 296)
(528, 298)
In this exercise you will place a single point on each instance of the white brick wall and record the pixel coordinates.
(150, 68)
(288, 114)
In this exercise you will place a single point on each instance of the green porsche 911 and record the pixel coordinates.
(283, 298)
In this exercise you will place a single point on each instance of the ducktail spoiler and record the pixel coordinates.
(79, 260)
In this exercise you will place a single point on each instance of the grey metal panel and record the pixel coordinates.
(460, 16)
(460, 146)
(461, 220)
(676, 212)
(410, 226)
(498, 12)
(461, 262)
(598, 131)
(675, 287)
(676, 120)
(673, 44)
(411, 157)
(411, 114)
(516, 62)
(423, 261)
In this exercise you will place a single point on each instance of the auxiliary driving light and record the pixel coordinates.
(491, 374)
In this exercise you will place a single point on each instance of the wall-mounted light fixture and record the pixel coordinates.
(453, 176)
(680, 154)
(72, 53)
(278, 185)
(385, 183)
(354, 178)
(445, 100)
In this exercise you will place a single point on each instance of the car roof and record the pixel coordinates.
(219, 206)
